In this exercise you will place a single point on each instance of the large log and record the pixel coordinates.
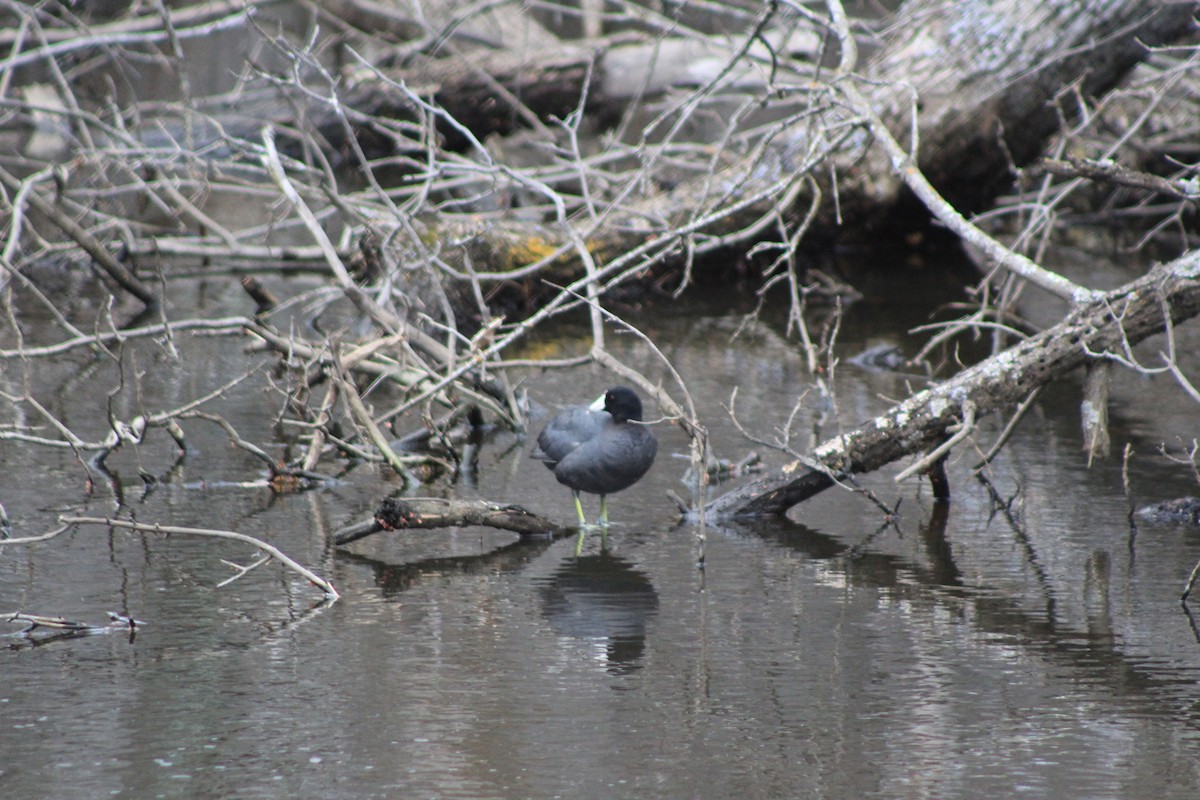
(550, 82)
(1120, 318)
(982, 76)
(986, 75)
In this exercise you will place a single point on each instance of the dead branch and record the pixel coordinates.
(436, 512)
(491, 90)
(227, 325)
(283, 477)
(34, 621)
(402, 465)
(1119, 175)
(985, 108)
(208, 18)
(42, 628)
(88, 243)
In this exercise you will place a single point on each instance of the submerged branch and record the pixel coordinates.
(1094, 330)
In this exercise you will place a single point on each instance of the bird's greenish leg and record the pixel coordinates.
(579, 510)
(603, 511)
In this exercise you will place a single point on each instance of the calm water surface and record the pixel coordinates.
(959, 653)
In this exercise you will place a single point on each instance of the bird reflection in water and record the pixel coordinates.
(602, 600)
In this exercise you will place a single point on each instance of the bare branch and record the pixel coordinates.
(274, 552)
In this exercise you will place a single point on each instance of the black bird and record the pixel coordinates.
(599, 449)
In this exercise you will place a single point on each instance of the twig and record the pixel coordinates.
(1169, 357)
(103, 338)
(965, 429)
(1111, 172)
(240, 570)
(1191, 582)
(274, 166)
(1009, 429)
(1128, 487)
(125, 33)
(363, 417)
(82, 237)
(39, 538)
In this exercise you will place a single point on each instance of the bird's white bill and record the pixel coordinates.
(598, 405)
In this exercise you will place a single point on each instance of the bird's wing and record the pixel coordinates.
(566, 432)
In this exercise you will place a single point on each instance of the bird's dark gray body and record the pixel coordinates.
(591, 452)
(599, 451)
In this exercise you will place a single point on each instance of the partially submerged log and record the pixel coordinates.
(1165, 296)
(435, 512)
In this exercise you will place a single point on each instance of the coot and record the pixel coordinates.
(599, 449)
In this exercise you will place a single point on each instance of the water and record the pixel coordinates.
(958, 653)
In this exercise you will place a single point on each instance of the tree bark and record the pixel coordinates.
(986, 77)
(434, 512)
(1122, 317)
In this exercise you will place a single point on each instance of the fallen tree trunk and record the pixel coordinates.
(549, 83)
(987, 77)
(1168, 294)
(983, 77)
